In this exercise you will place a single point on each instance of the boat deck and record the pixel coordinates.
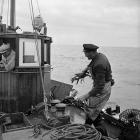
(76, 116)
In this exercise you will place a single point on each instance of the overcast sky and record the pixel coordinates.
(102, 22)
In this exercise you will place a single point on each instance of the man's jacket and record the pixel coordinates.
(101, 73)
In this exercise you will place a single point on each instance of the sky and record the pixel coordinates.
(101, 22)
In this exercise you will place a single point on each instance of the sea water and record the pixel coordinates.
(66, 60)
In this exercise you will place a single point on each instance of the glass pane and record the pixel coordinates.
(28, 55)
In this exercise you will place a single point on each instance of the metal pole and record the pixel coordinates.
(12, 13)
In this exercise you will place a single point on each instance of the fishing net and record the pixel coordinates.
(130, 116)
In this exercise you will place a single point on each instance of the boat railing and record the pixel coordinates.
(24, 72)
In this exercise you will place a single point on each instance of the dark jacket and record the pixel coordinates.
(101, 73)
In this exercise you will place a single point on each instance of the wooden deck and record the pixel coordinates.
(76, 116)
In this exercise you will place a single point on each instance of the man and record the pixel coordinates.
(8, 57)
(100, 71)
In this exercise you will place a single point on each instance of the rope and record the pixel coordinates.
(36, 43)
(38, 8)
(7, 12)
(73, 132)
(38, 55)
(2, 3)
(41, 75)
(30, 12)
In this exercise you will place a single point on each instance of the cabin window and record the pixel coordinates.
(46, 53)
(29, 52)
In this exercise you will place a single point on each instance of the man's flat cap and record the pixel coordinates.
(90, 47)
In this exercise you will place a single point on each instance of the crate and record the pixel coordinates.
(14, 122)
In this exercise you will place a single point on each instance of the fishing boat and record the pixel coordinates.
(34, 106)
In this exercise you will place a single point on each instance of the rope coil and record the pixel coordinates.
(73, 132)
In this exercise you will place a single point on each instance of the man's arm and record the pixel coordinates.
(81, 75)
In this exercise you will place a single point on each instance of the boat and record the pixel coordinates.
(34, 106)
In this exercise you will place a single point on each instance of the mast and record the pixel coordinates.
(12, 13)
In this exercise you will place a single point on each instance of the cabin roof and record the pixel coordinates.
(24, 35)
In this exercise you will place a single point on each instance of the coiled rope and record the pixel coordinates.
(72, 132)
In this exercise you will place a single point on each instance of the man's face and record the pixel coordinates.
(7, 53)
(88, 55)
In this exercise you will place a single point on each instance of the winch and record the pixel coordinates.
(60, 109)
(53, 103)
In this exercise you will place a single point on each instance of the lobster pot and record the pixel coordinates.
(22, 87)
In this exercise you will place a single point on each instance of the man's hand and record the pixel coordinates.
(77, 77)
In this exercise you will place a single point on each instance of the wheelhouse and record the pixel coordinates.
(21, 87)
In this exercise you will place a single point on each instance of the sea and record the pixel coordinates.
(66, 60)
